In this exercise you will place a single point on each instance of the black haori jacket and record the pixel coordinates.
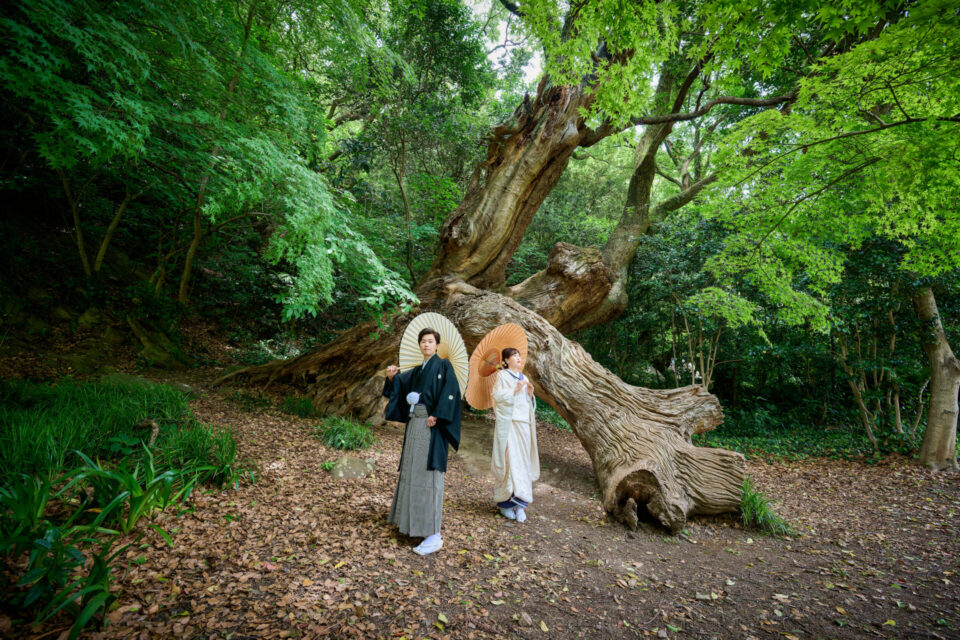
(439, 391)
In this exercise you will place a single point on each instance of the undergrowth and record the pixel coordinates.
(546, 413)
(41, 423)
(762, 434)
(344, 434)
(757, 512)
(82, 463)
(300, 406)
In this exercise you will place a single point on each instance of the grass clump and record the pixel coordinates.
(208, 452)
(299, 406)
(81, 463)
(345, 434)
(757, 513)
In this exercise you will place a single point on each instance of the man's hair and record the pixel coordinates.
(425, 331)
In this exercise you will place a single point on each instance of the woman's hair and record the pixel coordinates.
(425, 331)
(507, 354)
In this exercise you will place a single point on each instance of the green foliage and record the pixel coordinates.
(126, 495)
(249, 401)
(344, 433)
(208, 452)
(70, 549)
(546, 413)
(56, 556)
(328, 465)
(757, 513)
(23, 506)
(746, 40)
(299, 406)
(41, 423)
(56, 576)
(193, 110)
(866, 153)
(729, 308)
(761, 433)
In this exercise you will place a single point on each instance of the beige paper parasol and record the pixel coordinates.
(486, 359)
(451, 345)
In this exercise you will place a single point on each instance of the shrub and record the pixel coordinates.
(757, 433)
(249, 401)
(343, 433)
(60, 559)
(61, 572)
(757, 513)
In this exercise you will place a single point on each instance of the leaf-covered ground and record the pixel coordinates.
(299, 553)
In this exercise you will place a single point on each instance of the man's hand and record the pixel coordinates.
(392, 370)
(431, 421)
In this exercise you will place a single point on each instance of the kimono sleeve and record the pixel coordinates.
(448, 406)
(503, 390)
(396, 390)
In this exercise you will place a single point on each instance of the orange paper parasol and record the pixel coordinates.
(486, 360)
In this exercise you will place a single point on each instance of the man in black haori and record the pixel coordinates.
(427, 398)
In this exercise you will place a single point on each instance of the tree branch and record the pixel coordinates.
(685, 196)
(663, 174)
(692, 115)
(849, 134)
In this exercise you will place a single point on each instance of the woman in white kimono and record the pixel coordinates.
(515, 462)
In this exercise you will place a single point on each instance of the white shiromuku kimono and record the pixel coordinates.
(515, 461)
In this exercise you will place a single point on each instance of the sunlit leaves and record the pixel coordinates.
(865, 152)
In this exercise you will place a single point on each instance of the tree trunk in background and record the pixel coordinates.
(75, 212)
(939, 448)
(183, 294)
(525, 159)
(108, 236)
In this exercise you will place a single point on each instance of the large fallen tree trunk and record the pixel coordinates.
(638, 439)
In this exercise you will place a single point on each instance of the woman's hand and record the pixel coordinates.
(432, 421)
(392, 370)
(529, 389)
(517, 389)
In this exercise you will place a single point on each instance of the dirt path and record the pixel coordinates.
(301, 554)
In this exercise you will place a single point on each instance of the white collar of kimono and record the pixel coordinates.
(518, 376)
